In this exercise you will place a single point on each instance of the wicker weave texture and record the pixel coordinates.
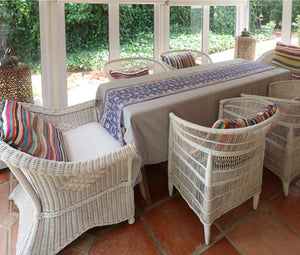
(287, 89)
(266, 58)
(245, 47)
(201, 58)
(15, 83)
(58, 201)
(283, 139)
(133, 64)
(216, 170)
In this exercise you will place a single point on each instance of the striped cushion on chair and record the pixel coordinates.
(117, 74)
(260, 116)
(179, 61)
(27, 132)
(288, 57)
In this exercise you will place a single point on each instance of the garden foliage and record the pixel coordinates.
(87, 29)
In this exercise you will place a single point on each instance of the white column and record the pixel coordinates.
(161, 29)
(114, 31)
(286, 33)
(205, 29)
(242, 18)
(53, 54)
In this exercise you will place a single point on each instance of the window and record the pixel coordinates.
(136, 30)
(143, 44)
(222, 31)
(87, 49)
(266, 24)
(186, 27)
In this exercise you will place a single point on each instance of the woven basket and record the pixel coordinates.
(15, 83)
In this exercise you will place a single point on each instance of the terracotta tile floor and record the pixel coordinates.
(169, 226)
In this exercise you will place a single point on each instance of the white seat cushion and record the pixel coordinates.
(88, 141)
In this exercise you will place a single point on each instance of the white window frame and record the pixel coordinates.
(52, 35)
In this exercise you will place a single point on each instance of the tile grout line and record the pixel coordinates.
(229, 229)
(150, 231)
(89, 246)
(153, 236)
(205, 247)
(274, 196)
(234, 245)
(9, 241)
(294, 183)
(233, 226)
(150, 207)
(224, 233)
(284, 223)
(276, 217)
(78, 251)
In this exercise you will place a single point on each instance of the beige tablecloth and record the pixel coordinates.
(147, 122)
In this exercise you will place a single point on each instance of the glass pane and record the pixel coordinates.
(265, 24)
(87, 49)
(222, 30)
(136, 30)
(186, 27)
(20, 39)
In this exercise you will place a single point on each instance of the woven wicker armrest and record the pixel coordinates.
(27, 162)
(266, 58)
(65, 118)
(287, 89)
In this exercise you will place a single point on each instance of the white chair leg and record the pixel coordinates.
(131, 220)
(285, 186)
(255, 201)
(207, 234)
(170, 185)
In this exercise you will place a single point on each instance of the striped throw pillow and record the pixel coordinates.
(117, 74)
(27, 132)
(288, 57)
(260, 116)
(179, 61)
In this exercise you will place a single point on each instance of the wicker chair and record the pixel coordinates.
(131, 65)
(215, 170)
(58, 201)
(266, 58)
(283, 139)
(200, 57)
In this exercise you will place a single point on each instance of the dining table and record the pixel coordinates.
(141, 106)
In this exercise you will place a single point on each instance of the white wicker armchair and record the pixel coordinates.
(215, 170)
(283, 139)
(266, 58)
(200, 58)
(58, 201)
(132, 64)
